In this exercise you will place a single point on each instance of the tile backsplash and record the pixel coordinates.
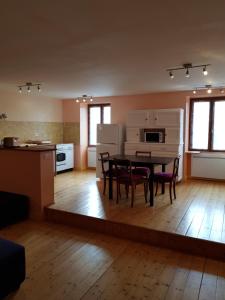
(55, 132)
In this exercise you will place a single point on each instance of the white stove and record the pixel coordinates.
(64, 157)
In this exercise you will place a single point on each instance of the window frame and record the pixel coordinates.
(101, 105)
(211, 101)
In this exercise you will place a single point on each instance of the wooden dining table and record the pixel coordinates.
(141, 161)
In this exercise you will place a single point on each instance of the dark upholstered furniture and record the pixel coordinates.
(129, 179)
(13, 208)
(12, 266)
(163, 177)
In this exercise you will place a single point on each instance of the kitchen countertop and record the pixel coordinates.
(37, 148)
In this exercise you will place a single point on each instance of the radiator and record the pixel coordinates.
(209, 165)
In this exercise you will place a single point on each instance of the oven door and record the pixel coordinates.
(60, 157)
(60, 161)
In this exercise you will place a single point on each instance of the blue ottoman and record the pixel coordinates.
(12, 266)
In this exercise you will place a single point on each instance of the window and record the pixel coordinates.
(207, 124)
(97, 114)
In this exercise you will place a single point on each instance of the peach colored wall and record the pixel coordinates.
(23, 107)
(71, 111)
(122, 104)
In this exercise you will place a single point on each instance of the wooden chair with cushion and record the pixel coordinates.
(144, 171)
(171, 178)
(104, 158)
(128, 179)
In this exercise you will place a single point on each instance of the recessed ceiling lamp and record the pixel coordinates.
(28, 86)
(187, 67)
(84, 99)
(209, 89)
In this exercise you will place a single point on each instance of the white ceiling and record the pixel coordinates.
(104, 48)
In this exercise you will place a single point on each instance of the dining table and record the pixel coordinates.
(141, 161)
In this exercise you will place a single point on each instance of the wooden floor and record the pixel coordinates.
(65, 263)
(197, 212)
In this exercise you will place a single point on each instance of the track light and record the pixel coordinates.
(208, 88)
(84, 99)
(28, 86)
(187, 67)
(204, 71)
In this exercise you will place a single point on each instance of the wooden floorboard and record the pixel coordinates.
(197, 212)
(68, 263)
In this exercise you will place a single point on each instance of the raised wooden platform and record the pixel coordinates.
(194, 223)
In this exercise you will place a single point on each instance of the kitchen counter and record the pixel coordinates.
(29, 171)
(31, 148)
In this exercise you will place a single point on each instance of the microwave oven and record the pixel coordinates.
(153, 137)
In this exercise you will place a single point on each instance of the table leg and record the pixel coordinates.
(151, 186)
(163, 184)
(110, 181)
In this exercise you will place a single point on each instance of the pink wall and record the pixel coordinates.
(122, 104)
(71, 111)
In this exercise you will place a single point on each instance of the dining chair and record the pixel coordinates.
(171, 178)
(143, 171)
(104, 158)
(128, 179)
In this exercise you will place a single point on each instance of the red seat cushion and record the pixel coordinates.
(163, 176)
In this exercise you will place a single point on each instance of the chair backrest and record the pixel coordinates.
(122, 164)
(143, 153)
(104, 157)
(176, 167)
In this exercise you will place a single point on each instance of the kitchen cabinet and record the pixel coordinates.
(133, 134)
(170, 120)
(168, 117)
(138, 118)
(155, 118)
(173, 136)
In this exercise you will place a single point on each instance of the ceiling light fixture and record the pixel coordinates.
(171, 75)
(204, 71)
(209, 89)
(187, 67)
(28, 86)
(84, 99)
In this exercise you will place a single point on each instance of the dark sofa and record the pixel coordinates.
(12, 266)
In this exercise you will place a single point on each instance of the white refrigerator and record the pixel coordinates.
(110, 138)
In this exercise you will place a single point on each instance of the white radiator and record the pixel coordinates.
(208, 165)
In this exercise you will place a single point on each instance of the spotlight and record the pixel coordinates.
(39, 88)
(222, 91)
(194, 91)
(187, 74)
(77, 100)
(204, 71)
(171, 75)
(209, 90)
(20, 89)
